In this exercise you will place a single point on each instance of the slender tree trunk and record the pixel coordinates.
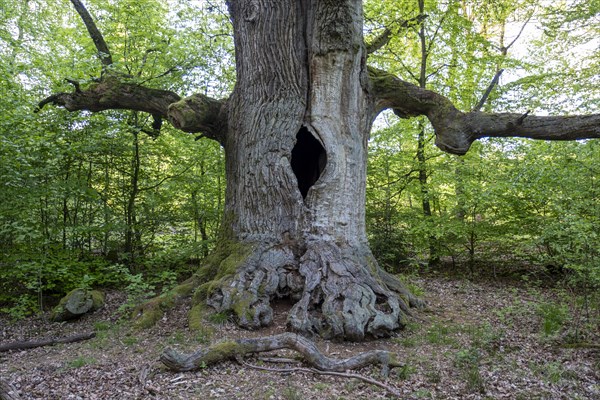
(131, 236)
(422, 162)
(65, 203)
(105, 206)
(199, 224)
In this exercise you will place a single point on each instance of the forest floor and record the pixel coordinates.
(478, 339)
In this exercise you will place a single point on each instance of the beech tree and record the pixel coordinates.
(295, 132)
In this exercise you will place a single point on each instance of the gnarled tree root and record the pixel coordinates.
(231, 350)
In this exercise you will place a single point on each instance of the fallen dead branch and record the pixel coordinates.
(235, 350)
(45, 342)
(316, 371)
(143, 379)
(8, 391)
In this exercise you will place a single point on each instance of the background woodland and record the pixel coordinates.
(95, 200)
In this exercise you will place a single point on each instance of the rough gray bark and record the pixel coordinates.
(302, 81)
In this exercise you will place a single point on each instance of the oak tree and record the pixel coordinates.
(295, 131)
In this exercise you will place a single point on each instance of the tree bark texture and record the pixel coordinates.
(299, 120)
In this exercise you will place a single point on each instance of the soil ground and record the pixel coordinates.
(482, 339)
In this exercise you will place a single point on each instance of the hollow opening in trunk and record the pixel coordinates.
(308, 160)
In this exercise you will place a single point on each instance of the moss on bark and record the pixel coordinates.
(218, 267)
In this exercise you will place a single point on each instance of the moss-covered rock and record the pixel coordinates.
(77, 303)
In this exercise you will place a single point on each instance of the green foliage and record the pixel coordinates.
(552, 372)
(71, 212)
(554, 316)
(81, 361)
(507, 201)
(138, 289)
(405, 371)
(468, 362)
(440, 334)
(219, 318)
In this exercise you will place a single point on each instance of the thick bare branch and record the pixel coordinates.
(380, 41)
(456, 130)
(239, 348)
(113, 93)
(197, 113)
(99, 42)
(384, 38)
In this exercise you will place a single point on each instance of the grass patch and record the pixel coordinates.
(218, 318)
(130, 340)
(204, 334)
(80, 362)
(404, 372)
(552, 372)
(553, 317)
(291, 392)
(177, 338)
(484, 336)
(441, 334)
(468, 362)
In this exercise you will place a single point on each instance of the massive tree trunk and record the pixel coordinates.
(299, 120)
(295, 134)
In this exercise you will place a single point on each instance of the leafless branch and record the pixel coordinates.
(101, 46)
(456, 130)
(520, 32)
(349, 375)
(488, 91)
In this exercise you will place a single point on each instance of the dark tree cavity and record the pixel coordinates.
(295, 132)
(308, 160)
